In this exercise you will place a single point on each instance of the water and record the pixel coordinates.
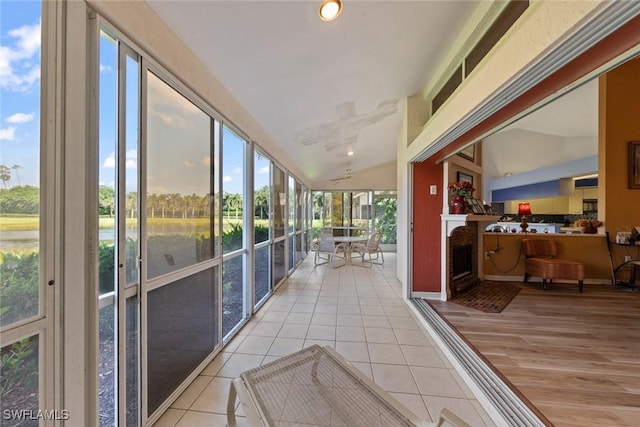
(28, 240)
(11, 240)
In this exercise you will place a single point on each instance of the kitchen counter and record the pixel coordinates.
(503, 254)
(539, 227)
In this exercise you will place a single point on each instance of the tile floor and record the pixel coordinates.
(359, 312)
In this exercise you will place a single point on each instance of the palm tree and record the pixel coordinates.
(132, 203)
(261, 200)
(236, 202)
(15, 168)
(5, 174)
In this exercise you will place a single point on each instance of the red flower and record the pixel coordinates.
(461, 188)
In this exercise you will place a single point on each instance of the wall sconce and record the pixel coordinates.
(524, 209)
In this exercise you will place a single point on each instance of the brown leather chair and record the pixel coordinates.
(541, 262)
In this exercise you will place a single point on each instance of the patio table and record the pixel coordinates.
(348, 243)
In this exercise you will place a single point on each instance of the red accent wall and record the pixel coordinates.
(426, 226)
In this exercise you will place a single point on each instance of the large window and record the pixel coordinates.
(181, 281)
(107, 278)
(345, 213)
(278, 251)
(233, 267)
(178, 218)
(262, 224)
(385, 214)
(24, 317)
(118, 242)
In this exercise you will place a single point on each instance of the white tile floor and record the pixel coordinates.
(359, 312)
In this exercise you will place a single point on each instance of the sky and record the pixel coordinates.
(20, 90)
(178, 160)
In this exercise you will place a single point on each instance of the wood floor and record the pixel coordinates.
(576, 357)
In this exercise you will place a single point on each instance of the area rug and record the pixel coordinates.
(488, 296)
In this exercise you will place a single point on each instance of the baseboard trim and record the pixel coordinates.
(498, 278)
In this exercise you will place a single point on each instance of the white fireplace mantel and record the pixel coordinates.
(453, 221)
(449, 223)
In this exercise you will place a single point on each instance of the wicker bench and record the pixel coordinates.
(541, 262)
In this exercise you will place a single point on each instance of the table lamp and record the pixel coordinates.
(524, 209)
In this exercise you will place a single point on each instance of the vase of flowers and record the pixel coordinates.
(588, 225)
(460, 190)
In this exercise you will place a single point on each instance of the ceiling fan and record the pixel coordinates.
(347, 175)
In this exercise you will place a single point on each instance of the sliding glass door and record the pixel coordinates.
(26, 247)
(234, 283)
(279, 216)
(261, 227)
(180, 282)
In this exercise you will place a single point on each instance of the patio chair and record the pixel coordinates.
(327, 250)
(371, 247)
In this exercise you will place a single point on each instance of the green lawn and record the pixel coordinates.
(19, 223)
(31, 223)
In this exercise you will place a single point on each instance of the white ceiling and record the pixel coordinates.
(572, 115)
(320, 89)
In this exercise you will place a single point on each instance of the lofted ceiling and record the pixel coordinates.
(322, 89)
(572, 115)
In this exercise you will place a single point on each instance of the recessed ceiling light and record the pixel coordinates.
(350, 153)
(330, 9)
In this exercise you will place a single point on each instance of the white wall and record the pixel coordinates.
(516, 151)
(377, 178)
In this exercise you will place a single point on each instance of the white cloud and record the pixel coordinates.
(7, 134)
(131, 160)
(263, 170)
(105, 69)
(20, 118)
(20, 63)
(165, 117)
(163, 95)
(227, 178)
(110, 161)
(237, 170)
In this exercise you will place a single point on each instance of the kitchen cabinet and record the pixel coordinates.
(575, 202)
(562, 205)
(541, 206)
(590, 193)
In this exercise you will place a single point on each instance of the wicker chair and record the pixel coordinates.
(541, 262)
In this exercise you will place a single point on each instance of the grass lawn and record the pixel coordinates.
(19, 223)
(31, 223)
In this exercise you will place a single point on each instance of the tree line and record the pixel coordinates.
(24, 200)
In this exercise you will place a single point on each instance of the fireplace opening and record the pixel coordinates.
(462, 261)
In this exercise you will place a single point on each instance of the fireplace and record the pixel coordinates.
(462, 259)
(461, 243)
(462, 262)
